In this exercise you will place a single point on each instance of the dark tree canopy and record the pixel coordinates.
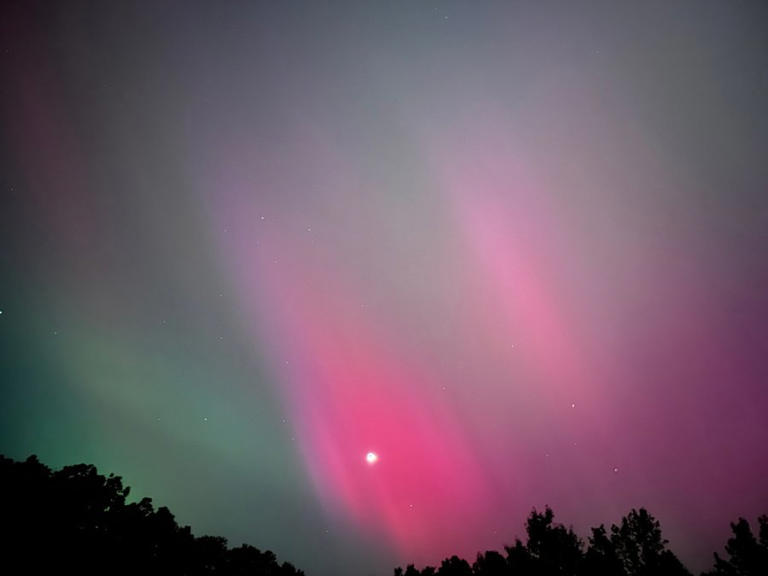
(747, 555)
(75, 520)
(454, 566)
(490, 564)
(640, 548)
(633, 548)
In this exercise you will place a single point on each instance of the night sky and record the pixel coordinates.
(518, 251)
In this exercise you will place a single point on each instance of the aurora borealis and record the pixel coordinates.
(518, 251)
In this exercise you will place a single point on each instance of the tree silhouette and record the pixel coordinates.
(641, 549)
(75, 520)
(633, 548)
(454, 566)
(552, 549)
(555, 549)
(411, 570)
(601, 558)
(747, 555)
(519, 559)
(490, 564)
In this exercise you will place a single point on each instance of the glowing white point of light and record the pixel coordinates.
(371, 457)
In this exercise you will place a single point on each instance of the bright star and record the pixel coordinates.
(371, 458)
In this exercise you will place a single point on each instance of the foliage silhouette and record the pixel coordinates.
(634, 548)
(747, 555)
(454, 566)
(601, 558)
(490, 564)
(553, 548)
(75, 520)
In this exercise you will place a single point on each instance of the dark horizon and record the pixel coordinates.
(76, 519)
(378, 277)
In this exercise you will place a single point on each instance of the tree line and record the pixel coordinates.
(75, 520)
(634, 547)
